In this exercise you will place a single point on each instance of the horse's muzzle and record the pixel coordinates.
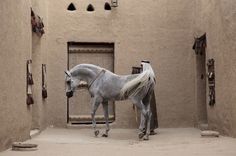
(69, 94)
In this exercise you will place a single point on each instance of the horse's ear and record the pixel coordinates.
(68, 73)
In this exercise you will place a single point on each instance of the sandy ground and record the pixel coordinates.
(174, 142)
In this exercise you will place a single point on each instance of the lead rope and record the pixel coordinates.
(102, 71)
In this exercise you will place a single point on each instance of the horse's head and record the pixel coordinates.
(70, 84)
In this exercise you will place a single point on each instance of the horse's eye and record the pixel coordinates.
(68, 82)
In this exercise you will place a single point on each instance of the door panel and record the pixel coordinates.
(98, 54)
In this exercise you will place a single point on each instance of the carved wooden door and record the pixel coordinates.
(79, 106)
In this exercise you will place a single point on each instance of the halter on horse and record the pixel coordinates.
(105, 86)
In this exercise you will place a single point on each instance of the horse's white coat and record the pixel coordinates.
(109, 86)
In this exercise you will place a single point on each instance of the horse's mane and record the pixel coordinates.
(88, 66)
(133, 87)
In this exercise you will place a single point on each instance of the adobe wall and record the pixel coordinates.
(15, 37)
(160, 31)
(18, 45)
(218, 19)
(39, 57)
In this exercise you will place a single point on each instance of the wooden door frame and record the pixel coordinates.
(111, 118)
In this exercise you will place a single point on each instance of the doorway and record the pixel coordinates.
(79, 106)
(201, 78)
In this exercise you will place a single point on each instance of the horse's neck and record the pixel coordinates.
(85, 74)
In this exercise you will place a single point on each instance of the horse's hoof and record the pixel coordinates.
(146, 137)
(141, 135)
(153, 133)
(105, 135)
(96, 133)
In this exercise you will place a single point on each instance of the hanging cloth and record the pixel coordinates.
(37, 24)
(29, 83)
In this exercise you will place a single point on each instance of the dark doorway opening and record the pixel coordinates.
(201, 80)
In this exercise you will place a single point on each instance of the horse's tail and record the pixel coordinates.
(133, 87)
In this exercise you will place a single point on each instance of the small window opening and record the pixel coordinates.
(90, 8)
(107, 6)
(71, 7)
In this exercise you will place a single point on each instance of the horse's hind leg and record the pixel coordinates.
(140, 105)
(95, 103)
(142, 127)
(149, 115)
(106, 116)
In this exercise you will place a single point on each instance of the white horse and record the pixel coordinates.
(105, 86)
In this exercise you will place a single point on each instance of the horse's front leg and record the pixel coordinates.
(95, 103)
(106, 116)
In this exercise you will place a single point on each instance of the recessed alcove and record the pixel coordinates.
(90, 8)
(107, 6)
(71, 7)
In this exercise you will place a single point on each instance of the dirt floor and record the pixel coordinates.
(177, 142)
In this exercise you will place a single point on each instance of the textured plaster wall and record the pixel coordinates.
(15, 49)
(218, 19)
(39, 57)
(160, 31)
(18, 44)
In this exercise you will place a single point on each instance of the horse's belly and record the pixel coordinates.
(111, 95)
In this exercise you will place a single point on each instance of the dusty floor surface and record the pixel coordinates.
(78, 142)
